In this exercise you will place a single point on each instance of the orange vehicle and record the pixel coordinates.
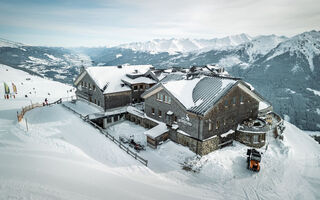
(253, 160)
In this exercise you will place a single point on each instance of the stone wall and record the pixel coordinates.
(247, 138)
(197, 146)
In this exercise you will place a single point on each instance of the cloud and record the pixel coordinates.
(123, 21)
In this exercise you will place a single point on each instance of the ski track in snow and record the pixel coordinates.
(61, 157)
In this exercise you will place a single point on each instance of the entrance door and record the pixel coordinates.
(168, 119)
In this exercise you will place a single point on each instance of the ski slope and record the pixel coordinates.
(61, 157)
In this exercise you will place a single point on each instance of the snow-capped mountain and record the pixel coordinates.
(186, 45)
(306, 45)
(8, 43)
(57, 63)
(261, 45)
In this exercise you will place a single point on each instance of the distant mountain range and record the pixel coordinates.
(57, 63)
(284, 70)
(173, 45)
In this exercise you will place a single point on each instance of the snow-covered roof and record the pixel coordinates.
(156, 131)
(108, 78)
(141, 79)
(263, 105)
(199, 94)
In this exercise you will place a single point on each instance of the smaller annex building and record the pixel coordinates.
(114, 86)
(201, 110)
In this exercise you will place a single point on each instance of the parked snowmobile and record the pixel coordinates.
(253, 160)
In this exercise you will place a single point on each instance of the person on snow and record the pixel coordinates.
(46, 101)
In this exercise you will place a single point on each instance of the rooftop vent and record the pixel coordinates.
(119, 66)
(136, 71)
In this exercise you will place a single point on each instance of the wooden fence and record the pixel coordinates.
(111, 137)
(27, 108)
(36, 105)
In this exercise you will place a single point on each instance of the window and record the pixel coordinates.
(147, 86)
(95, 101)
(217, 125)
(135, 87)
(152, 111)
(175, 119)
(234, 101)
(226, 103)
(164, 98)
(141, 87)
(224, 121)
(169, 100)
(85, 84)
(159, 113)
(98, 103)
(210, 126)
(94, 87)
(256, 138)
(241, 99)
(89, 86)
(82, 83)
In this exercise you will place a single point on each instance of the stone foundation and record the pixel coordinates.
(197, 146)
(247, 138)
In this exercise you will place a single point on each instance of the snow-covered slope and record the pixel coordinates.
(306, 44)
(61, 157)
(186, 45)
(261, 45)
(34, 87)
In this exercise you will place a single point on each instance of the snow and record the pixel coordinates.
(182, 90)
(62, 157)
(296, 68)
(286, 118)
(230, 61)
(122, 130)
(52, 57)
(37, 88)
(316, 92)
(172, 46)
(263, 105)
(145, 80)
(156, 131)
(112, 75)
(251, 87)
(307, 44)
(84, 107)
(169, 112)
(227, 133)
(261, 45)
(119, 55)
(312, 133)
(290, 91)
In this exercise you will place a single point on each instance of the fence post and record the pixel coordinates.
(27, 124)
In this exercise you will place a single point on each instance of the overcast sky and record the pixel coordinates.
(107, 23)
